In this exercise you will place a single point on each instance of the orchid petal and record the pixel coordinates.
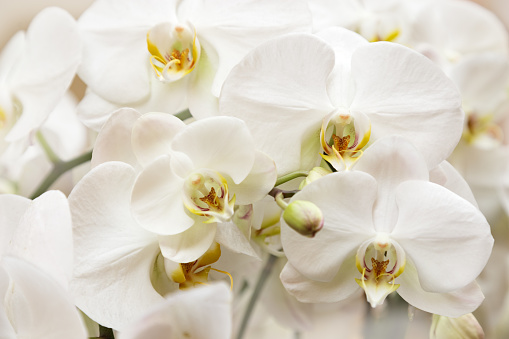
(114, 141)
(295, 100)
(110, 244)
(341, 286)
(426, 109)
(156, 201)
(452, 304)
(229, 235)
(446, 175)
(12, 208)
(347, 223)
(153, 134)
(223, 144)
(189, 245)
(391, 160)
(441, 233)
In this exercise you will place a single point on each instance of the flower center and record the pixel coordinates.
(482, 131)
(342, 137)
(386, 265)
(206, 194)
(175, 50)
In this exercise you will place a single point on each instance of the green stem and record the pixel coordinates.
(184, 115)
(256, 294)
(290, 176)
(47, 149)
(59, 168)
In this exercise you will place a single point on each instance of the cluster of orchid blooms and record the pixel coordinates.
(259, 169)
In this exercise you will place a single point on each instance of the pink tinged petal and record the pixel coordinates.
(404, 93)
(295, 99)
(222, 144)
(258, 183)
(452, 304)
(110, 244)
(445, 236)
(341, 286)
(153, 134)
(156, 201)
(39, 306)
(53, 52)
(114, 141)
(44, 236)
(12, 208)
(233, 29)
(189, 245)
(230, 236)
(176, 316)
(391, 161)
(446, 175)
(346, 200)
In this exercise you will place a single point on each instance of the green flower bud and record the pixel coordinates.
(304, 217)
(464, 327)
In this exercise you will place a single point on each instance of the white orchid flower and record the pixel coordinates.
(170, 55)
(203, 312)
(357, 92)
(388, 229)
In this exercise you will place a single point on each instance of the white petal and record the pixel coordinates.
(44, 236)
(94, 111)
(11, 53)
(202, 102)
(229, 235)
(156, 201)
(452, 304)
(47, 311)
(390, 160)
(12, 208)
(233, 29)
(110, 244)
(189, 245)
(153, 134)
(404, 93)
(223, 144)
(258, 183)
(114, 141)
(446, 175)
(48, 66)
(294, 100)
(177, 316)
(445, 236)
(340, 287)
(115, 57)
(346, 200)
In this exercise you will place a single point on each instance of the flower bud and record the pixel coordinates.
(314, 174)
(304, 217)
(464, 327)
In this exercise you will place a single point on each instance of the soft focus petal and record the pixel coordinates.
(44, 236)
(177, 316)
(229, 235)
(39, 306)
(445, 236)
(156, 200)
(110, 244)
(12, 208)
(346, 200)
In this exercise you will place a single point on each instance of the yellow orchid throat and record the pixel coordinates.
(174, 50)
(206, 194)
(378, 279)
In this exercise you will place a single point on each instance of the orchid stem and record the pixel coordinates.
(47, 149)
(290, 176)
(59, 168)
(256, 294)
(184, 115)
